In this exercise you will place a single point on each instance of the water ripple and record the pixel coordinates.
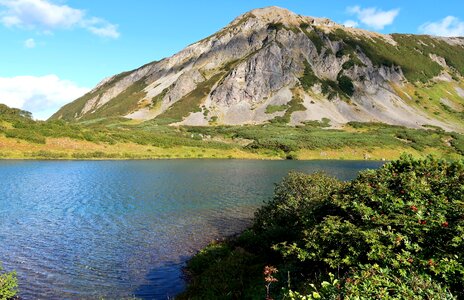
(84, 230)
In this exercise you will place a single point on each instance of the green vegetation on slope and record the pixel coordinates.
(309, 78)
(270, 109)
(439, 99)
(158, 99)
(343, 87)
(314, 35)
(392, 233)
(8, 113)
(122, 104)
(296, 104)
(69, 112)
(189, 103)
(22, 137)
(411, 53)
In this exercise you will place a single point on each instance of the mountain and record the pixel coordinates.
(272, 65)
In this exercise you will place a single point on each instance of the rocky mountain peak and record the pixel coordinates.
(279, 15)
(275, 14)
(273, 65)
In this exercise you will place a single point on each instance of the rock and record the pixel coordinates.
(258, 60)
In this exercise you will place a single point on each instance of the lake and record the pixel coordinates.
(89, 229)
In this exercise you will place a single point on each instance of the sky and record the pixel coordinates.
(54, 51)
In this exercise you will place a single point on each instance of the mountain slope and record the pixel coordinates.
(271, 65)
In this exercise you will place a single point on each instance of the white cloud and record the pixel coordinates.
(39, 13)
(449, 26)
(350, 23)
(46, 16)
(29, 43)
(42, 95)
(101, 28)
(374, 17)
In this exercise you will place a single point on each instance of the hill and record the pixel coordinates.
(272, 65)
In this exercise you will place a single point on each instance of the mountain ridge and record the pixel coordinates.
(272, 65)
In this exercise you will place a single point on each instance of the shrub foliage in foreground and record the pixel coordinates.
(8, 285)
(392, 233)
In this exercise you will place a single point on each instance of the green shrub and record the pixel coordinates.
(374, 282)
(392, 233)
(7, 113)
(275, 26)
(309, 78)
(8, 285)
(346, 85)
(25, 134)
(293, 203)
(225, 274)
(409, 215)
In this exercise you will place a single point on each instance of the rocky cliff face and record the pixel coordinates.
(271, 65)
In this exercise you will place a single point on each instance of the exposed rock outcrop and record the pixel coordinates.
(311, 67)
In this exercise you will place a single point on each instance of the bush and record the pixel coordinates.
(392, 233)
(291, 209)
(309, 78)
(409, 215)
(372, 281)
(8, 285)
(346, 85)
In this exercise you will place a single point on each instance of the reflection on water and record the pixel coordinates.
(82, 230)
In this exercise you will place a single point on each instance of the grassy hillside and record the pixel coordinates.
(412, 53)
(73, 110)
(118, 138)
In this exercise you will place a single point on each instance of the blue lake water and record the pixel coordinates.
(114, 229)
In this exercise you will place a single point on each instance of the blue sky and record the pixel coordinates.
(55, 50)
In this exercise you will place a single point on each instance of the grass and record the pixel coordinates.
(428, 98)
(370, 153)
(65, 148)
(294, 105)
(270, 109)
(122, 104)
(309, 141)
(158, 99)
(118, 138)
(266, 142)
(70, 111)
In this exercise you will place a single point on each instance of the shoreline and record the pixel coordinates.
(339, 157)
(191, 159)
